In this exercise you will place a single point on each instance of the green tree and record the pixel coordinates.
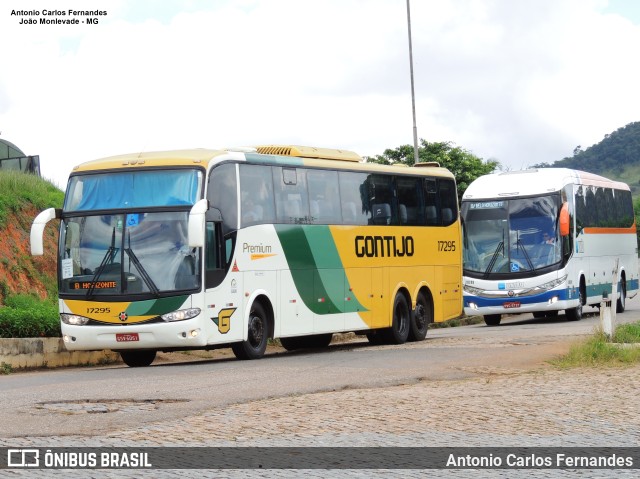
(464, 165)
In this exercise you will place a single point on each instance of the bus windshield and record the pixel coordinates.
(511, 236)
(133, 189)
(135, 253)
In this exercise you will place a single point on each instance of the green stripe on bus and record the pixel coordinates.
(316, 269)
(156, 306)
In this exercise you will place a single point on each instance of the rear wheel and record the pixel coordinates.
(420, 319)
(138, 359)
(621, 304)
(492, 319)
(258, 334)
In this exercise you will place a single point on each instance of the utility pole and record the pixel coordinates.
(413, 95)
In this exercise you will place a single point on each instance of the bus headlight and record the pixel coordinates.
(550, 285)
(181, 315)
(73, 319)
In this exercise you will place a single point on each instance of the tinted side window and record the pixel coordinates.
(448, 201)
(354, 195)
(256, 195)
(382, 200)
(292, 201)
(324, 197)
(222, 194)
(411, 209)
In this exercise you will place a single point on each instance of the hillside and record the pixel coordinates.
(22, 197)
(617, 156)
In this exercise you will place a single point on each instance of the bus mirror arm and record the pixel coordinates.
(37, 229)
(196, 228)
(214, 215)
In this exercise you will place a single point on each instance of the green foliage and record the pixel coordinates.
(27, 316)
(18, 190)
(465, 166)
(599, 351)
(5, 368)
(614, 152)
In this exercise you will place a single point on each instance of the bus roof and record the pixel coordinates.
(533, 182)
(272, 154)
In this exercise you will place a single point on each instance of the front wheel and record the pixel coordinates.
(257, 337)
(138, 359)
(575, 314)
(492, 319)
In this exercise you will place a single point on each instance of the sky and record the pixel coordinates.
(517, 81)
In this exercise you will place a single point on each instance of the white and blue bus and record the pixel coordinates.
(545, 240)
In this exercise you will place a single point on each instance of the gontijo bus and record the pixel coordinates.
(202, 249)
(545, 240)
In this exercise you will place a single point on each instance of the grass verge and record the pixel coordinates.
(599, 351)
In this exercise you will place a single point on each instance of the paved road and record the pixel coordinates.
(470, 386)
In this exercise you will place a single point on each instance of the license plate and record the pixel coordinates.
(511, 304)
(126, 337)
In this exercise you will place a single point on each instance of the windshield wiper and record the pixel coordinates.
(143, 272)
(526, 255)
(494, 258)
(107, 259)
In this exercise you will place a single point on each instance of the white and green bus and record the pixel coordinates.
(202, 249)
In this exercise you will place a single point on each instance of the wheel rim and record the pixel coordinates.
(256, 331)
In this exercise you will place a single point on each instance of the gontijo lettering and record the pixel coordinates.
(384, 246)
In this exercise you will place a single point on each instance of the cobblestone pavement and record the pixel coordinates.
(502, 407)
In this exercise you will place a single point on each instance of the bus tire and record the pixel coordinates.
(575, 314)
(138, 359)
(420, 319)
(257, 337)
(401, 322)
(621, 304)
(492, 319)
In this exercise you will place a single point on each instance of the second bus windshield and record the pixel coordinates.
(511, 236)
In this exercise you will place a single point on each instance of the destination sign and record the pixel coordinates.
(94, 285)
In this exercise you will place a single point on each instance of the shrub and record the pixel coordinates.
(27, 316)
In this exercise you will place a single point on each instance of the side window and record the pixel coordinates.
(324, 197)
(222, 194)
(354, 196)
(411, 206)
(432, 210)
(256, 195)
(383, 208)
(212, 260)
(215, 264)
(292, 201)
(448, 201)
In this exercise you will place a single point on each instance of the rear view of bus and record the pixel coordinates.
(544, 241)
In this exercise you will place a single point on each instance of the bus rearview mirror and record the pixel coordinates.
(565, 222)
